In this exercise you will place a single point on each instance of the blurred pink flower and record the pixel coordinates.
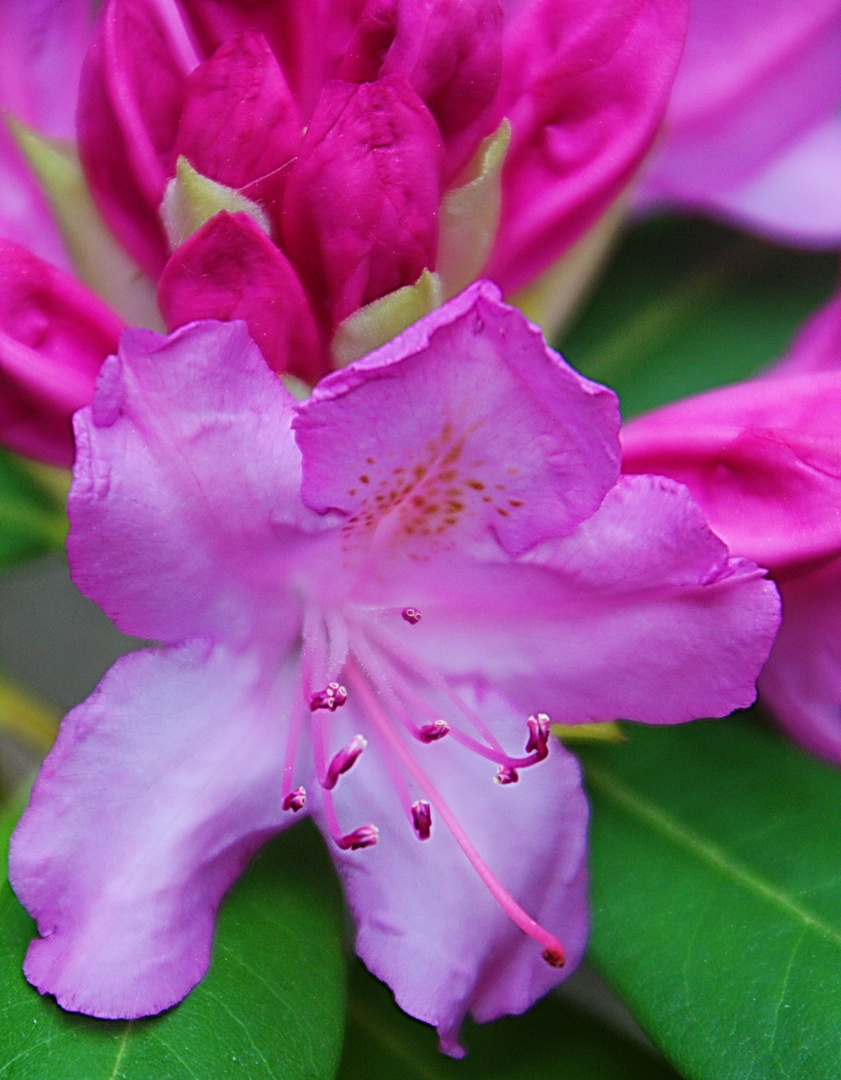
(763, 459)
(366, 602)
(753, 128)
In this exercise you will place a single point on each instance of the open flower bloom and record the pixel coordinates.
(763, 459)
(753, 128)
(292, 164)
(371, 604)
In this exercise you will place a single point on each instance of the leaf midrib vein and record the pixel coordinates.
(706, 851)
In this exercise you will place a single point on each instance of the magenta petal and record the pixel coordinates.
(797, 198)
(158, 790)
(817, 347)
(187, 443)
(801, 683)
(584, 85)
(449, 50)
(639, 615)
(426, 923)
(54, 335)
(130, 99)
(309, 39)
(762, 458)
(756, 77)
(239, 125)
(494, 435)
(230, 269)
(360, 215)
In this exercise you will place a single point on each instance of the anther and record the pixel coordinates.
(364, 836)
(296, 800)
(343, 761)
(331, 697)
(422, 818)
(506, 775)
(411, 615)
(539, 726)
(554, 957)
(433, 732)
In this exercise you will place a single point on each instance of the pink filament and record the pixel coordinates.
(553, 951)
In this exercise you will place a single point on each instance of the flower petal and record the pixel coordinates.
(309, 39)
(464, 426)
(817, 346)
(54, 335)
(801, 683)
(756, 77)
(585, 85)
(360, 214)
(159, 789)
(426, 923)
(130, 98)
(449, 50)
(797, 198)
(230, 269)
(637, 615)
(762, 458)
(240, 125)
(186, 488)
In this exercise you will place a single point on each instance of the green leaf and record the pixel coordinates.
(687, 305)
(271, 1007)
(553, 1041)
(32, 519)
(716, 896)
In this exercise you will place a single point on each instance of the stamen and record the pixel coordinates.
(411, 615)
(331, 697)
(296, 800)
(539, 729)
(343, 761)
(364, 836)
(506, 775)
(553, 950)
(433, 732)
(422, 818)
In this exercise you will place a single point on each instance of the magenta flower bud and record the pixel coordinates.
(240, 124)
(230, 269)
(360, 214)
(54, 335)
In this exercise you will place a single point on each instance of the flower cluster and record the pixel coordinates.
(290, 164)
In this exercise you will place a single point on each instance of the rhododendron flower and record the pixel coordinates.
(753, 128)
(763, 459)
(371, 603)
(329, 172)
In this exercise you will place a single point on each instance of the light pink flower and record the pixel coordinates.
(753, 128)
(763, 459)
(368, 603)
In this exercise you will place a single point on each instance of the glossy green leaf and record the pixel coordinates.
(716, 895)
(687, 305)
(271, 1007)
(32, 519)
(553, 1041)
